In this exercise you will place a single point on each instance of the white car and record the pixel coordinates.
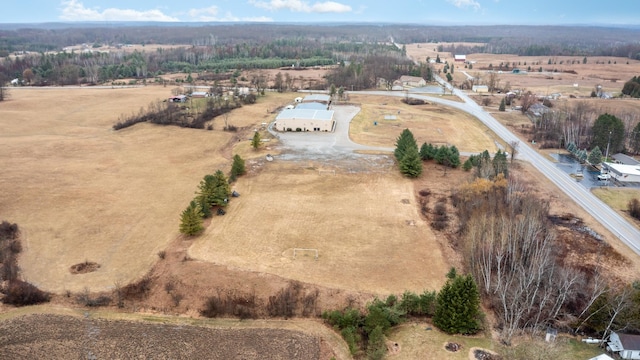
(605, 176)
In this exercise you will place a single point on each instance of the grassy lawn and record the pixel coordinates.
(416, 342)
(618, 199)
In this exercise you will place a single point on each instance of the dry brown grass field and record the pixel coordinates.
(609, 72)
(365, 226)
(83, 192)
(430, 123)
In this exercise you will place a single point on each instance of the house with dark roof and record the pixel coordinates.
(626, 346)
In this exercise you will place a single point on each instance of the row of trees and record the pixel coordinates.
(587, 126)
(455, 309)
(410, 158)
(213, 192)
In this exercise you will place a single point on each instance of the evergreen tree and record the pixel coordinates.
(255, 142)
(454, 157)
(411, 164)
(458, 306)
(500, 164)
(191, 220)
(222, 190)
(635, 139)
(238, 167)
(608, 130)
(376, 347)
(206, 190)
(425, 151)
(467, 165)
(205, 208)
(484, 167)
(502, 105)
(595, 156)
(443, 155)
(404, 141)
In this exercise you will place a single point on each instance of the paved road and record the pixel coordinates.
(619, 226)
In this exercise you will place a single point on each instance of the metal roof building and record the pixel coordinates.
(305, 120)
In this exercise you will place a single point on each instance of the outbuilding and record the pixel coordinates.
(627, 346)
(480, 88)
(305, 120)
(460, 58)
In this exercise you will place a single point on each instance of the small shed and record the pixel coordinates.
(480, 88)
(460, 58)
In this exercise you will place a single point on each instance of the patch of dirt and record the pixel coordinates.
(84, 267)
(483, 354)
(453, 347)
(49, 336)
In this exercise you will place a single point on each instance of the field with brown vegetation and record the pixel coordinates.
(561, 76)
(85, 194)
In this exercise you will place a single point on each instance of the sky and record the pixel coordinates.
(426, 12)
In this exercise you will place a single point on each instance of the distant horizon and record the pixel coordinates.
(614, 13)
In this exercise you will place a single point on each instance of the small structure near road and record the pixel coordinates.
(480, 88)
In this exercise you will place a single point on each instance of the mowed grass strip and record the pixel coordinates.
(430, 123)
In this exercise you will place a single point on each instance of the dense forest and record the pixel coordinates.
(521, 40)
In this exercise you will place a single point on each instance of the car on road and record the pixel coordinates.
(605, 176)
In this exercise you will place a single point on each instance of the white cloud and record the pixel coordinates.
(74, 10)
(302, 6)
(210, 14)
(465, 4)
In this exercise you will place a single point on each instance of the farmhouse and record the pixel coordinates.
(624, 174)
(305, 120)
(625, 345)
(407, 80)
(460, 58)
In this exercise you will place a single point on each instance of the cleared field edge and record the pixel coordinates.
(617, 199)
(307, 326)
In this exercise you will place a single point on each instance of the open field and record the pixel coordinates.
(360, 223)
(44, 332)
(618, 199)
(432, 123)
(609, 72)
(81, 191)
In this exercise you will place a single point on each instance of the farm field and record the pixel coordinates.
(82, 192)
(609, 72)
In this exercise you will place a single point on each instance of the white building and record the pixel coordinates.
(320, 98)
(623, 173)
(305, 120)
(480, 88)
(625, 345)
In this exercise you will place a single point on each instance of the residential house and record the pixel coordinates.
(415, 81)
